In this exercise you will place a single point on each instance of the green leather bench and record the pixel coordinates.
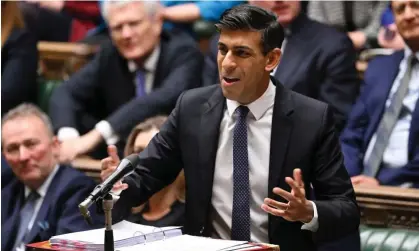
(45, 90)
(386, 239)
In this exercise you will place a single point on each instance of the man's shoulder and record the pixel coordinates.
(69, 178)
(307, 104)
(392, 60)
(177, 39)
(201, 94)
(326, 36)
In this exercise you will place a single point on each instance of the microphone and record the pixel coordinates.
(125, 167)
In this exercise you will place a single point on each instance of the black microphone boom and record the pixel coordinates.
(124, 168)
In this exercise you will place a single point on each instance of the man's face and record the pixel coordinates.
(406, 15)
(286, 11)
(242, 65)
(29, 149)
(133, 31)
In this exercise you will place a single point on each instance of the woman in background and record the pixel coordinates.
(167, 207)
(19, 59)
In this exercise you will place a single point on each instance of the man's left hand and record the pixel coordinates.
(298, 207)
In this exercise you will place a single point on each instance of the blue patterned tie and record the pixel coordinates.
(140, 83)
(25, 217)
(240, 226)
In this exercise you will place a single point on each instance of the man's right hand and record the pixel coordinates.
(109, 165)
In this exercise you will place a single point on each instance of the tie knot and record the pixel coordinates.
(242, 111)
(34, 195)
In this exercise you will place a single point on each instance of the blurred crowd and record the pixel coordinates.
(149, 55)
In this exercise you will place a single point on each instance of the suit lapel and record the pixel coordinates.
(385, 81)
(41, 221)
(282, 125)
(211, 115)
(10, 222)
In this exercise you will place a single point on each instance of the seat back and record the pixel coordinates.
(385, 239)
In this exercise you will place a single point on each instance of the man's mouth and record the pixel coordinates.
(230, 81)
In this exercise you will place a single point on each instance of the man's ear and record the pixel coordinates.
(272, 59)
(55, 147)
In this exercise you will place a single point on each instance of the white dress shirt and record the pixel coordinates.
(259, 137)
(396, 153)
(104, 128)
(42, 191)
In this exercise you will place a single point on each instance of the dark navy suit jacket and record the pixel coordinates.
(19, 58)
(59, 211)
(364, 120)
(104, 88)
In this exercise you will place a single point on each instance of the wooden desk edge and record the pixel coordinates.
(45, 246)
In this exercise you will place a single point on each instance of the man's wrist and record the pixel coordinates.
(310, 212)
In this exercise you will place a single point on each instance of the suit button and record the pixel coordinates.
(202, 230)
(360, 156)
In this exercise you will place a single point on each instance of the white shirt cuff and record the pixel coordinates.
(67, 133)
(313, 225)
(105, 129)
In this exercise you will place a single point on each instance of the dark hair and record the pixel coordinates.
(253, 18)
(154, 122)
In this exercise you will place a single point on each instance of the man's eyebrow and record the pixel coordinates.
(238, 47)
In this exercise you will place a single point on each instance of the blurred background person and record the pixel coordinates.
(316, 61)
(137, 75)
(19, 59)
(380, 141)
(167, 207)
(182, 14)
(359, 19)
(41, 200)
(61, 20)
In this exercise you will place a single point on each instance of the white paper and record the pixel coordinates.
(184, 243)
(121, 230)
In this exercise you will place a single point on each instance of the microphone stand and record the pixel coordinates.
(107, 208)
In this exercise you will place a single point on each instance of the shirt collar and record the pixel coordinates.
(408, 52)
(42, 190)
(257, 107)
(150, 64)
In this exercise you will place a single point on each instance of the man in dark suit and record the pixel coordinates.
(138, 75)
(42, 198)
(381, 140)
(317, 60)
(250, 149)
(19, 58)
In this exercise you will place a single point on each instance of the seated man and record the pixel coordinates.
(42, 198)
(137, 76)
(317, 61)
(381, 140)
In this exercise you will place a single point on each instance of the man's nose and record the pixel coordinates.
(23, 153)
(228, 62)
(126, 31)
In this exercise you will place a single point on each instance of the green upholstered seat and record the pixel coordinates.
(386, 239)
(45, 90)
